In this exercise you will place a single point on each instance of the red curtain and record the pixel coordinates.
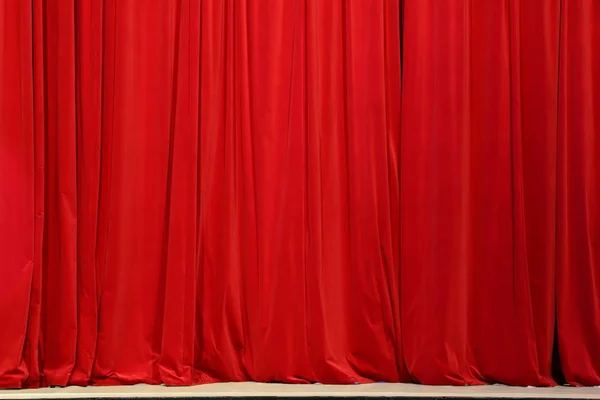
(299, 191)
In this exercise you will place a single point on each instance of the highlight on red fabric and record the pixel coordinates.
(299, 191)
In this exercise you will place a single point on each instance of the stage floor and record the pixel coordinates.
(228, 390)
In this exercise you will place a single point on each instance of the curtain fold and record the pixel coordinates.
(299, 191)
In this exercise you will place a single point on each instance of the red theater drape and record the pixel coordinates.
(299, 191)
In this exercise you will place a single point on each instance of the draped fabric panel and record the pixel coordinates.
(299, 191)
(479, 190)
(578, 225)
